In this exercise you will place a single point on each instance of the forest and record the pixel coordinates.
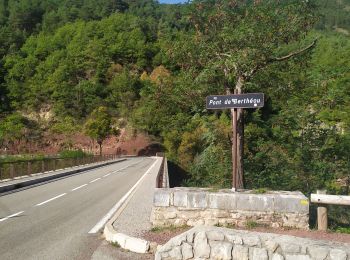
(153, 64)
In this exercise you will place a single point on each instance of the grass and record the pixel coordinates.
(115, 244)
(260, 191)
(231, 226)
(251, 224)
(344, 230)
(170, 228)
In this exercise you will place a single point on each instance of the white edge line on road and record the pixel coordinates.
(104, 220)
(46, 201)
(106, 175)
(13, 215)
(95, 180)
(77, 188)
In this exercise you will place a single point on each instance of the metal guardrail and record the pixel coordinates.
(11, 170)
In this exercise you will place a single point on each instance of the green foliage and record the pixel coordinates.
(153, 65)
(73, 154)
(99, 125)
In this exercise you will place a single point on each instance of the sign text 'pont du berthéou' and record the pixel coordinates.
(251, 100)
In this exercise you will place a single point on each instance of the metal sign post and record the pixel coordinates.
(251, 100)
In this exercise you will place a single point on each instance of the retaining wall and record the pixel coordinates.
(195, 206)
(223, 243)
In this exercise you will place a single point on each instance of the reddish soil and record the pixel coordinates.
(134, 143)
(164, 236)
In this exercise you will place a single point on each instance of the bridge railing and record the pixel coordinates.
(322, 199)
(19, 168)
(162, 180)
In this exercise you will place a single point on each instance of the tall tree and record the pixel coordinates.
(99, 125)
(235, 40)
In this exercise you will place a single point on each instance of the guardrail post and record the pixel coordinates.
(12, 170)
(29, 168)
(322, 219)
(54, 164)
(43, 166)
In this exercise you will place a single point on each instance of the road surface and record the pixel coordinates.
(53, 221)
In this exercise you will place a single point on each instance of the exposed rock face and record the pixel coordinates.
(226, 244)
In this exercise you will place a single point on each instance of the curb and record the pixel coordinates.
(19, 185)
(133, 244)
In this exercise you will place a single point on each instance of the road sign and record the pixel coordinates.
(250, 100)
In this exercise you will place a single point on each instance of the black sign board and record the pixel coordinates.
(251, 100)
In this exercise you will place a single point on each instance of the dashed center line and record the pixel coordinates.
(11, 216)
(74, 189)
(46, 201)
(77, 188)
(95, 180)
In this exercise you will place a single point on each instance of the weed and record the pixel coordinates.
(115, 244)
(170, 228)
(251, 224)
(260, 191)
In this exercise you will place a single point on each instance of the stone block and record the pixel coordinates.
(161, 198)
(211, 222)
(190, 237)
(201, 246)
(180, 199)
(240, 253)
(255, 202)
(291, 203)
(220, 250)
(169, 215)
(277, 257)
(175, 253)
(258, 254)
(271, 245)
(197, 199)
(222, 201)
(251, 240)
(337, 254)
(298, 257)
(234, 238)
(136, 245)
(290, 248)
(318, 253)
(187, 251)
(195, 222)
(214, 235)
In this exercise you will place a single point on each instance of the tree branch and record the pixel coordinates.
(271, 60)
(295, 52)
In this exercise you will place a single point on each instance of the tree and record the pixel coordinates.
(236, 40)
(12, 130)
(99, 125)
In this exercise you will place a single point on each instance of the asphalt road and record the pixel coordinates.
(53, 221)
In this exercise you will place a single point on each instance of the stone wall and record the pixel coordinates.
(194, 206)
(222, 243)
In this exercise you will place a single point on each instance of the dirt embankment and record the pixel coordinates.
(129, 142)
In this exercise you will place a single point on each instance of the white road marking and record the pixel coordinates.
(95, 180)
(77, 188)
(13, 215)
(110, 213)
(46, 201)
(106, 175)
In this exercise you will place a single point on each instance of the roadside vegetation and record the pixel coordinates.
(152, 65)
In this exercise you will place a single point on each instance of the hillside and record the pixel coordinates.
(151, 66)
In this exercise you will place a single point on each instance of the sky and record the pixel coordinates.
(172, 1)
